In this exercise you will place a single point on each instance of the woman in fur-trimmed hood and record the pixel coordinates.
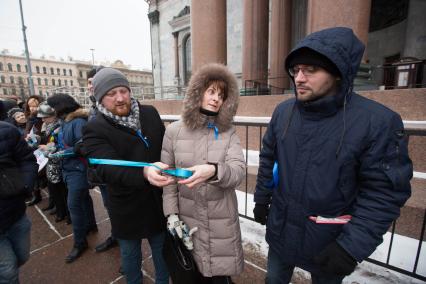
(205, 142)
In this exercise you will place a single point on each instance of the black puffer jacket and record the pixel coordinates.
(15, 152)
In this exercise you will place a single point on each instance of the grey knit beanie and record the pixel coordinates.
(107, 79)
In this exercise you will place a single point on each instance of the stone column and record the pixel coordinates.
(255, 41)
(280, 43)
(176, 39)
(208, 32)
(354, 14)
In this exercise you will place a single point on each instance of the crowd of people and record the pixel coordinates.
(333, 173)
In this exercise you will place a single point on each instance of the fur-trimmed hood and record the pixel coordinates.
(78, 113)
(191, 115)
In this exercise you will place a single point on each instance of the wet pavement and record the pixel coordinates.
(51, 242)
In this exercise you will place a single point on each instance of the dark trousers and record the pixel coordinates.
(216, 280)
(105, 200)
(59, 192)
(280, 272)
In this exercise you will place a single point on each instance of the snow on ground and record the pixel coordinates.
(402, 255)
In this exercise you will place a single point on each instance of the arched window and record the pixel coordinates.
(12, 80)
(59, 82)
(13, 91)
(58, 71)
(64, 71)
(52, 71)
(187, 59)
(9, 67)
(38, 70)
(18, 67)
(71, 83)
(44, 70)
(38, 81)
(3, 79)
(4, 91)
(53, 82)
(1, 66)
(70, 72)
(22, 92)
(66, 82)
(20, 81)
(46, 82)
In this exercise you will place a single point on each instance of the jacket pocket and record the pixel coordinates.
(317, 236)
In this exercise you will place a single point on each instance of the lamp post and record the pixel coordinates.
(93, 56)
(27, 54)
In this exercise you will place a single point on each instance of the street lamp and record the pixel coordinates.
(93, 56)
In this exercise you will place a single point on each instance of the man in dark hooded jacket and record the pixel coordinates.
(342, 162)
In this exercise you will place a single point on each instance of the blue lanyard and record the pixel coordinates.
(180, 173)
(216, 131)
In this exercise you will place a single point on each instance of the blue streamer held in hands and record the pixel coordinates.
(180, 173)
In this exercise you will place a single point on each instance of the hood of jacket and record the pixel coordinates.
(343, 48)
(191, 115)
(78, 113)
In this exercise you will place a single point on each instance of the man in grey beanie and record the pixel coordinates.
(125, 130)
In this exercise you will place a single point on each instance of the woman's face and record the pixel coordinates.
(212, 98)
(33, 105)
(20, 118)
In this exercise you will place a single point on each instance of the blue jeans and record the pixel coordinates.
(14, 250)
(280, 273)
(80, 205)
(131, 259)
(105, 200)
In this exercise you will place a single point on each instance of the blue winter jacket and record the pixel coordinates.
(334, 158)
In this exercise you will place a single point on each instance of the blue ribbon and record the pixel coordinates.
(180, 173)
(216, 131)
(275, 175)
(144, 139)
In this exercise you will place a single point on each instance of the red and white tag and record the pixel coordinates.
(336, 220)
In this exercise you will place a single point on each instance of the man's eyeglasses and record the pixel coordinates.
(307, 70)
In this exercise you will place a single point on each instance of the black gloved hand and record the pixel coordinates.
(261, 212)
(335, 260)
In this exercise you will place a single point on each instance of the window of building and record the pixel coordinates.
(9, 67)
(44, 70)
(1, 66)
(38, 81)
(64, 71)
(3, 79)
(40, 92)
(18, 67)
(58, 71)
(20, 81)
(38, 70)
(26, 68)
(70, 72)
(59, 82)
(13, 91)
(46, 82)
(66, 82)
(81, 74)
(71, 82)
(53, 82)
(22, 92)
(4, 91)
(187, 59)
(52, 71)
(12, 80)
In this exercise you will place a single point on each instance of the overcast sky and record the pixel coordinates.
(116, 29)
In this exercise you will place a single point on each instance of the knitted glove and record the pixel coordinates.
(179, 228)
(335, 260)
(261, 212)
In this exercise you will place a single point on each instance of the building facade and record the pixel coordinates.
(50, 76)
(254, 37)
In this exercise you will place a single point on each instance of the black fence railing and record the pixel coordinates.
(251, 130)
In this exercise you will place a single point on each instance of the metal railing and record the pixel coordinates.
(254, 126)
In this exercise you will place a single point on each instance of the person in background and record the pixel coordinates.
(72, 120)
(111, 241)
(17, 117)
(31, 134)
(342, 160)
(125, 130)
(205, 142)
(14, 224)
(57, 190)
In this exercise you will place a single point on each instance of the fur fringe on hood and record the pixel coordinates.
(80, 112)
(191, 115)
